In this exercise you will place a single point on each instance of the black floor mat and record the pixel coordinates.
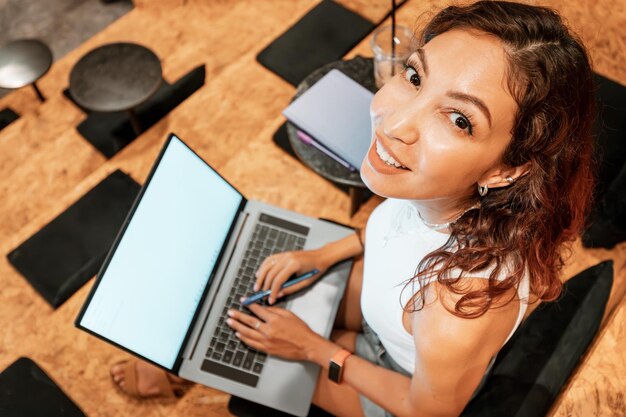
(111, 132)
(26, 391)
(7, 116)
(68, 251)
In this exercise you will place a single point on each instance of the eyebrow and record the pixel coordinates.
(472, 99)
(422, 56)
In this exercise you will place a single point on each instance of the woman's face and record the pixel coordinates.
(444, 122)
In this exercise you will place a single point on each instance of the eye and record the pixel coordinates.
(411, 75)
(461, 121)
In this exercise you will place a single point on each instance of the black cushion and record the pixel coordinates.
(7, 116)
(535, 364)
(68, 251)
(324, 34)
(244, 408)
(609, 130)
(607, 225)
(26, 391)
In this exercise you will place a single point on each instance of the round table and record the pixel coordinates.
(116, 77)
(23, 62)
(361, 70)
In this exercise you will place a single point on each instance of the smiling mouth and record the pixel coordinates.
(386, 158)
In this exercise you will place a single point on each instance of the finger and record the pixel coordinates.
(244, 318)
(243, 329)
(271, 274)
(261, 312)
(253, 343)
(261, 273)
(278, 282)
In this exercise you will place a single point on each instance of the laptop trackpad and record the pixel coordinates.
(315, 306)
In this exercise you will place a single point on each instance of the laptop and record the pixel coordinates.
(335, 112)
(186, 253)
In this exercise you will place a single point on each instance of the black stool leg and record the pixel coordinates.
(134, 122)
(41, 97)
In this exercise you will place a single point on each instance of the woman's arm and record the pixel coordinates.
(450, 359)
(342, 249)
(442, 389)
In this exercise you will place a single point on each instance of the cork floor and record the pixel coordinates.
(45, 165)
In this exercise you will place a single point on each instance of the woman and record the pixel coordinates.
(482, 148)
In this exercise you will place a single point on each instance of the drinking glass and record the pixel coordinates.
(389, 61)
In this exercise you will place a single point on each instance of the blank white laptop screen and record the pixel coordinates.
(148, 295)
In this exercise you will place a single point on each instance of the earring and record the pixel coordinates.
(510, 180)
(483, 190)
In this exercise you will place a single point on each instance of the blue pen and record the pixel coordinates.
(261, 294)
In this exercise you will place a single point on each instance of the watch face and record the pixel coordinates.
(334, 371)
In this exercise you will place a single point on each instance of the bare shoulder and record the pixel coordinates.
(483, 335)
(451, 352)
(442, 338)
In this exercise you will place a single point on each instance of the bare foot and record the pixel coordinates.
(149, 379)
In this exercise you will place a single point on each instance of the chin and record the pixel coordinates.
(383, 187)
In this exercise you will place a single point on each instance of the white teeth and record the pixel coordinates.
(386, 157)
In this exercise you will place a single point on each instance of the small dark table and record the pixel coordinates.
(362, 71)
(116, 77)
(23, 62)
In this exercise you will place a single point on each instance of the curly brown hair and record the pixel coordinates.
(522, 229)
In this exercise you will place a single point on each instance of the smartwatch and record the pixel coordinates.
(335, 367)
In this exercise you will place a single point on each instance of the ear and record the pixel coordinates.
(497, 177)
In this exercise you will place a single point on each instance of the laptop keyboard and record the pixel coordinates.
(227, 356)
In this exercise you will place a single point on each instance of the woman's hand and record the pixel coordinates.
(276, 270)
(274, 330)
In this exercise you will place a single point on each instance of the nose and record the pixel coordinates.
(402, 122)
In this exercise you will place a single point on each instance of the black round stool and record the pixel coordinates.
(116, 77)
(23, 62)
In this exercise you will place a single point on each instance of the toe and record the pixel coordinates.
(117, 373)
(117, 368)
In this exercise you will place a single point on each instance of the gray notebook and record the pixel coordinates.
(335, 112)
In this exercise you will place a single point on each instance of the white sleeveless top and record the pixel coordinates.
(396, 241)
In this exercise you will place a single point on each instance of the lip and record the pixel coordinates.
(382, 143)
(379, 165)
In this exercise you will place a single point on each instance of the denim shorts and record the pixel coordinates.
(369, 347)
